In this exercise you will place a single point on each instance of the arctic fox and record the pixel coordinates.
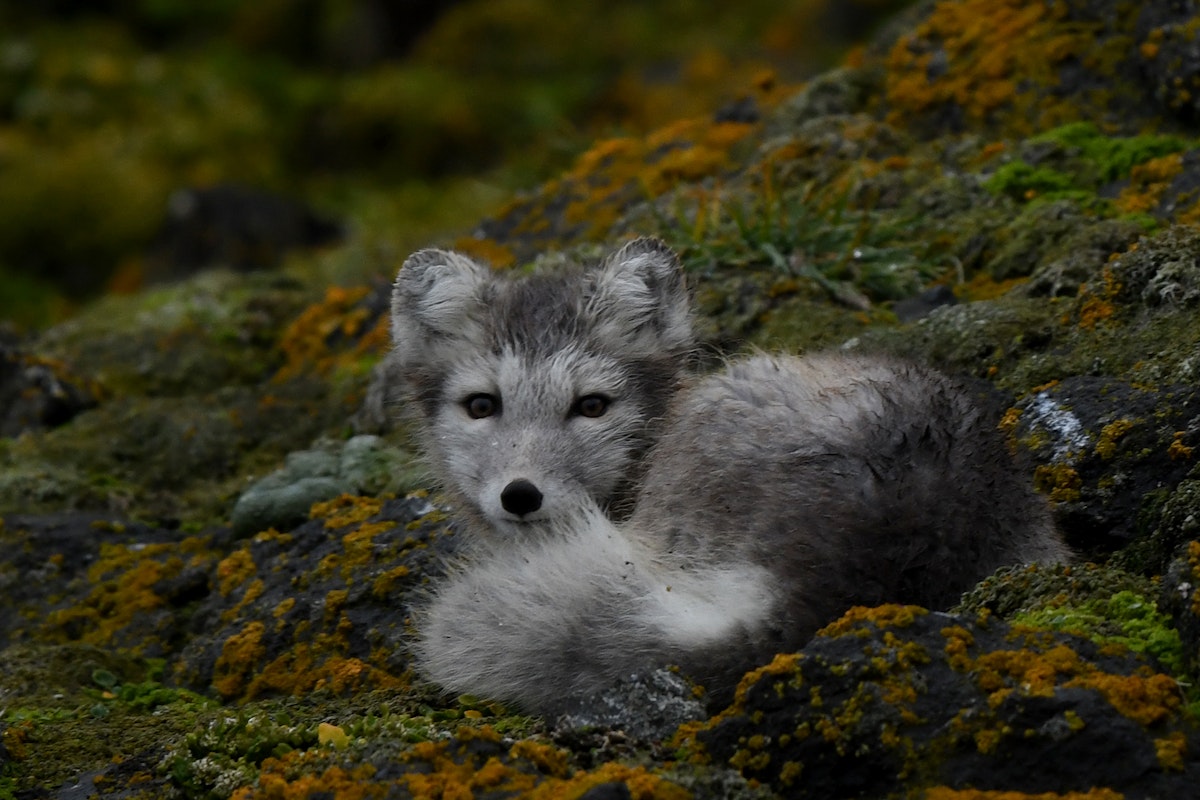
(623, 515)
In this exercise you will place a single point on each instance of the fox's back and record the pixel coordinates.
(856, 479)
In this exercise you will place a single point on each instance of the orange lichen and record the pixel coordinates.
(384, 584)
(1059, 482)
(305, 343)
(238, 656)
(885, 616)
(586, 201)
(999, 62)
(784, 664)
(548, 759)
(1170, 751)
(1096, 303)
(233, 570)
(304, 669)
(1177, 449)
(450, 774)
(1106, 444)
(485, 250)
(1144, 698)
(1148, 182)
(358, 545)
(946, 793)
(278, 781)
(982, 286)
(124, 580)
(252, 593)
(346, 509)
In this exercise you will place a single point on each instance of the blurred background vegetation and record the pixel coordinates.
(401, 121)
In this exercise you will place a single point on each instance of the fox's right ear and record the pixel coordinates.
(437, 301)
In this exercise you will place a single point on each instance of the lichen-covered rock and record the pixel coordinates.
(1181, 597)
(1102, 445)
(325, 605)
(647, 707)
(363, 464)
(899, 697)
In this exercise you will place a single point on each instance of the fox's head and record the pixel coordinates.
(538, 395)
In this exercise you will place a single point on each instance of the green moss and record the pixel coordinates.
(1086, 159)
(1111, 158)
(1020, 180)
(1126, 618)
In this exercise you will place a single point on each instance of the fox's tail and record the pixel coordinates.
(575, 608)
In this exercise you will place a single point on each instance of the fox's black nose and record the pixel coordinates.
(521, 497)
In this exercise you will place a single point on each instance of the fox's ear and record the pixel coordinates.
(437, 300)
(640, 301)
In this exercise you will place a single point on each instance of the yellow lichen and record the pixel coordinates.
(946, 793)
(1148, 182)
(239, 655)
(1059, 482)
(1170, 751)
(345, 510)
(885, 616)
(305, 343)
(1177, 449)
(1106, 444)
(233, 570)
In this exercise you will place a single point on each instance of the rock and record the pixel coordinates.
(363, 464)
(1181, 598)
(233, 226)
(898, 696)
(39, 393)
(647, 708)
(1102, 445)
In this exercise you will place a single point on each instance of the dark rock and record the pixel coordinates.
(234, 226)
(901, 697)
(1180, 597)
(743, 109)
(646, 708)
(607, 791)
(38, 393)
(1102, 444)
(918, 306)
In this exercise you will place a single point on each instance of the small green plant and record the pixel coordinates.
(851, 251)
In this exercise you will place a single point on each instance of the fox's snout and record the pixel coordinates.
(521, 497)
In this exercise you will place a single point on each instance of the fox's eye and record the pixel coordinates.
(482, 405)
(591, 405)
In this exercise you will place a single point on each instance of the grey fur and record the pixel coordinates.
(780, 491)
(622, 329)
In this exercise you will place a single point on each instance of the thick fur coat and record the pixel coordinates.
(623, 515)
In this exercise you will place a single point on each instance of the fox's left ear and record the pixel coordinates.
(437, 302)
(640, 301)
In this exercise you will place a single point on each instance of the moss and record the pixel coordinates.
(1126, 618)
